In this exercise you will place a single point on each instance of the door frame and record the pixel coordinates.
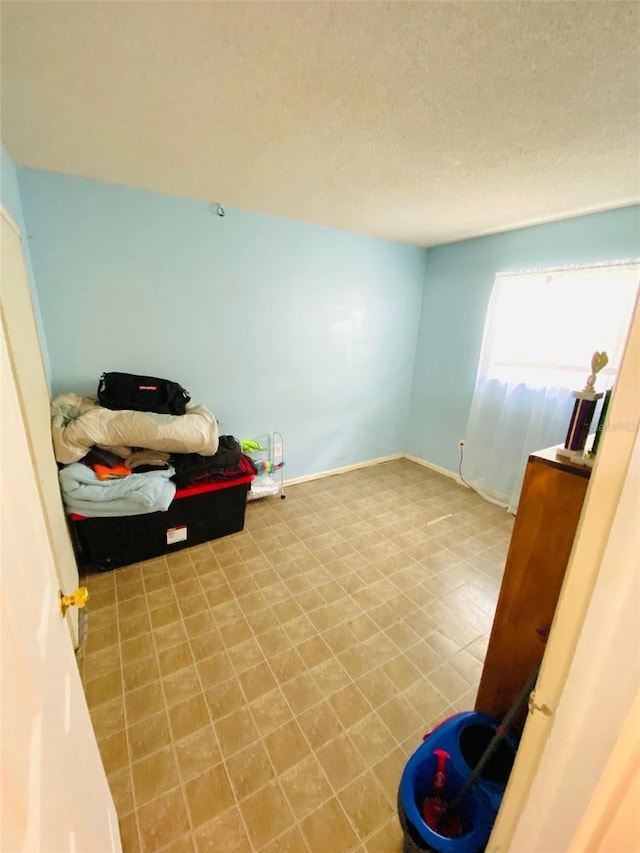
(25, 354)
(54, 791)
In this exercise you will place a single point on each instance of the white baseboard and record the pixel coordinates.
(369, 463)
(321, 474)
(453, 475)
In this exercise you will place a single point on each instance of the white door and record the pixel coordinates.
(54, 794)
(33, 394)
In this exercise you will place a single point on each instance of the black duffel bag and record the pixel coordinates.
(142, 394)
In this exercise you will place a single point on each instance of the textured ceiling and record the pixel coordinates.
(421, 122)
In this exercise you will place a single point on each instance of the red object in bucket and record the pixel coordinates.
(435, 811)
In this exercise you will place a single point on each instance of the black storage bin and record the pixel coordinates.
(106, 543)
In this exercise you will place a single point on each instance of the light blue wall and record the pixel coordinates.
(11, 199)
(276, 324)
(272, 324)
(458, 285)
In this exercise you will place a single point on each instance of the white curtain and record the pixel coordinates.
(541, 331)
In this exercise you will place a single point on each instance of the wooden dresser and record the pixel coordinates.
(551, 501)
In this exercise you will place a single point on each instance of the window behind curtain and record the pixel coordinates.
(541, 331)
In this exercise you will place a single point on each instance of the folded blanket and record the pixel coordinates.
(143, 458)
(85, 494)
(193, 465)
(78, 423)
(190, 478)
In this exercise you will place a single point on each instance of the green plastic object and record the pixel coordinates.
(250, 446)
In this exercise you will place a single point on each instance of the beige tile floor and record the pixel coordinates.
(263, 692)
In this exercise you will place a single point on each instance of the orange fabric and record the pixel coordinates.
(103, 472)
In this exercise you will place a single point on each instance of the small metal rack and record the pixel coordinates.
(270, 464)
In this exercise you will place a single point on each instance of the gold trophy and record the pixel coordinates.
(583, 410)
(598, 361)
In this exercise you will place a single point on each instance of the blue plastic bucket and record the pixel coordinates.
(464, 737)
(475, 810)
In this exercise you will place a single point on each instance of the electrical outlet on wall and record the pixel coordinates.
(277, 450)
(461, 443)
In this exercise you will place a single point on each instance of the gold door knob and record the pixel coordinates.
(79, 598)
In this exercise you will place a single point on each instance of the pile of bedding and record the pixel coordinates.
(117, 462)
(126, 462)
